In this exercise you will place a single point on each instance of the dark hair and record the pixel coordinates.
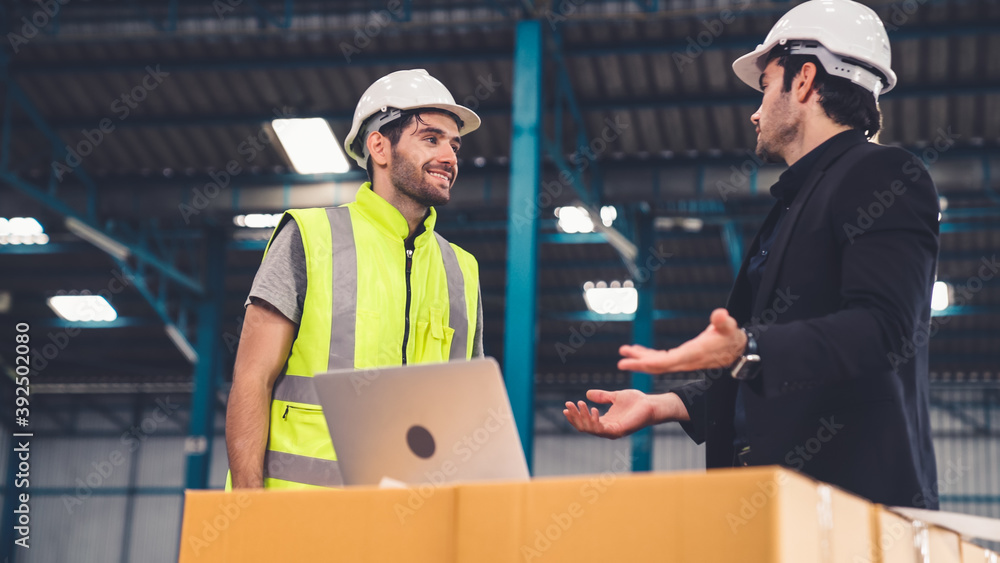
(394, 129)
(843, 101)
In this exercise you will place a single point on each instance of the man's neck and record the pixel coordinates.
(413, 212)
(814, 134)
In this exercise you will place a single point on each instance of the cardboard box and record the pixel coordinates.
(972, 553)
(748, 514)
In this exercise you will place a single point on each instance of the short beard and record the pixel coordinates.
(787, 131)
(409, 180)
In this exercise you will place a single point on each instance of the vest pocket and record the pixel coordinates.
(434, 338)
(302, 431)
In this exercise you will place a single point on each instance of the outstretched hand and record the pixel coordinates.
(719, 345)
(630, 411)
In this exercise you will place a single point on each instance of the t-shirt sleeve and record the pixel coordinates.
(281, 278)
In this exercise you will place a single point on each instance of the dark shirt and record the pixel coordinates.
(784, 190)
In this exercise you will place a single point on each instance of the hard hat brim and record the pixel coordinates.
(748, 67)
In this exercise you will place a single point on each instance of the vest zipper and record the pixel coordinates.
(406, 321)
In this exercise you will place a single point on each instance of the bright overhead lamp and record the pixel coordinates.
(311, 146)
(22, 230)
(574, 220)
(83, 308)
(97, 238)
(941, 296)
(258, 220)
(618, 298)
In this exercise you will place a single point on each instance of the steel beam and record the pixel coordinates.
(522, 234)
(642, 331)
(199, 442)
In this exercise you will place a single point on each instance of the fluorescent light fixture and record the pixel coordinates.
(311, 146)
(941, 296)
(258, 220)
(574, 220)
(22, 230)
(83, 308)
(618, 298)
(97, 238)
(692, 224)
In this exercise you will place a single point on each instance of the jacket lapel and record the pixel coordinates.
(781, 240)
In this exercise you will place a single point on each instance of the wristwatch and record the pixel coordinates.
(746, 366)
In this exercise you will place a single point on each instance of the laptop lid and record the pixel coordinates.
(425, 423)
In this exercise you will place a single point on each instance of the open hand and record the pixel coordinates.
(719, 345)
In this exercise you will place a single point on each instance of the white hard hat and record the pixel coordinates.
(402, 90)
(848, 38)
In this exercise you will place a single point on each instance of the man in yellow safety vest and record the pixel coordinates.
(364, 285)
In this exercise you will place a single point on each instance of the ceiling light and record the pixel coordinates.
(941, 296)
(608, 215)
(311, 146)
(620, 298)
(574, 220)
(22, 230)
(258, 220)
(83, 308)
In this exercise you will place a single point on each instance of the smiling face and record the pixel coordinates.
(424, 163)
(778, 119)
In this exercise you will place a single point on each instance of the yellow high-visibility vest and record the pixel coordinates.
(355, 315)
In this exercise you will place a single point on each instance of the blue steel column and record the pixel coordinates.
(642, 329)
(522, 231)
(199, 442)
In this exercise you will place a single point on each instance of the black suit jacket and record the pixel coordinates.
(842, 318)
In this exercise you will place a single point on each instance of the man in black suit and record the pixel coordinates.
(819, 360)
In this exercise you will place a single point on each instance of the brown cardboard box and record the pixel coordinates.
(357, 524)
(756, 514)
(893, 537)
(972, 553)
(899, 539)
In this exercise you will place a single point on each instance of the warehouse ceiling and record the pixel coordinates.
(151, 122)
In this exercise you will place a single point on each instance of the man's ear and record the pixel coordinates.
(378, 148)
(802, 86)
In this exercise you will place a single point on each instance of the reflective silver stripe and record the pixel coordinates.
(295, 388)
(458, 315)
(302, 469)
(345, 288)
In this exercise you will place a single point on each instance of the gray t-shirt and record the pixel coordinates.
(281, 280)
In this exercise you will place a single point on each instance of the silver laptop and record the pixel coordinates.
(428, 423)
